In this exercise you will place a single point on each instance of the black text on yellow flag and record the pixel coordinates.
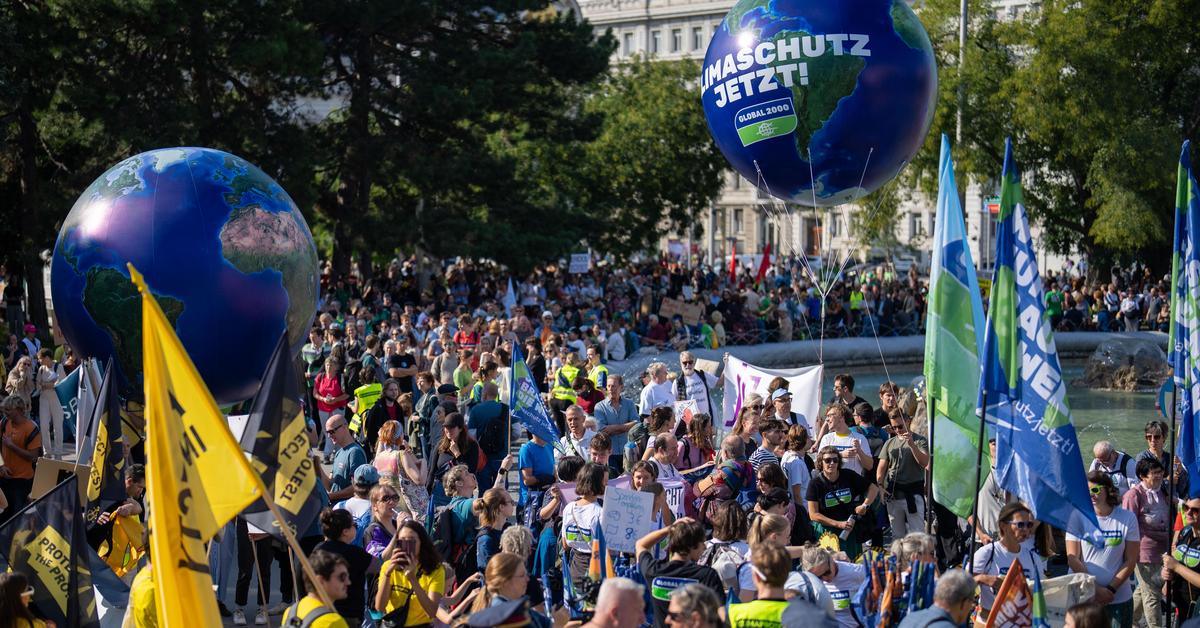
(197, 477)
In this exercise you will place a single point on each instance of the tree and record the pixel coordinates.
(435, 98)
(654, 164)
(1097, 96)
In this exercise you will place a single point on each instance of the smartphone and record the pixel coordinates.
(407, 547)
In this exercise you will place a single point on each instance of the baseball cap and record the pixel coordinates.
(447, 389)
(780, 393)
(30, 328)
(547, 314)
(366, 475)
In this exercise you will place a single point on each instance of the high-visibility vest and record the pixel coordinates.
(757, 613)
(365, 396)
(595, 374)
(564, 383)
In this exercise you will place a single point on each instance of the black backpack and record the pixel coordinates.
(456, 545)
(491, 437)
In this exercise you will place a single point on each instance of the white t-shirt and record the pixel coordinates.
(696, 390)
(580, 522)
(993, 560)
(844, 442)
(842, 589)
(655, 395)
(356, 506)
(809, 587)
(796, 471)
(576, 446)
(665, 471)
(1103, 561)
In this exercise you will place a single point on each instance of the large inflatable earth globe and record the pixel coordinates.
(819, 102)
(222, 247)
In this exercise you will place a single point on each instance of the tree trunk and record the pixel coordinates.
(29, 259)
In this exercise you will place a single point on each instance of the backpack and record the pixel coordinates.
(725, 560)
(361, 523)
(491, 437)
(350, 378)
(456, 545)
(290, 616)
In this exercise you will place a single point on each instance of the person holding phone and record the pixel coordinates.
(412, 582)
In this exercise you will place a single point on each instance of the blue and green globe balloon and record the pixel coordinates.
(819, 102)
(223, 248)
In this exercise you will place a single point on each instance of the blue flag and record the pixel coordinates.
(1037, 451)
(525, 402)
(1185, 324)
(68, 397)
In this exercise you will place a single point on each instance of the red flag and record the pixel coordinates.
(762, 267)
(733, 261)
(1013, 607)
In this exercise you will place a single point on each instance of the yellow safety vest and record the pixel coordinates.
(365, 396)
(759, 613)
(563, 383)
(594, 375)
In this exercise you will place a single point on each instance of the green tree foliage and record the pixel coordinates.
(1097, 96)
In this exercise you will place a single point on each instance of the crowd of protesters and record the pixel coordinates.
(407, 378)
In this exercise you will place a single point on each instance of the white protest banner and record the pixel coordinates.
(580, 263)
(627, 517)
(674, 492)
(620, 482)
(742, 379)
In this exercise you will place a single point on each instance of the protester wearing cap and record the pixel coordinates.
(30, 344)
(781, 399)
(366, 476)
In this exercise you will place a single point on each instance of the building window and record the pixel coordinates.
(913, 225)
(655, 42)
(835, 225)
(737, 181)
(737, 220)
(697, 38)
(676, 40)
(628, 44)
(931, 216)
(719, 220)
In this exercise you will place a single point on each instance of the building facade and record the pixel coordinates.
(744, 216)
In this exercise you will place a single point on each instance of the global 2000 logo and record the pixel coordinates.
(765, 121)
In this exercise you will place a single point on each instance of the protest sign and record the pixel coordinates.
(674, 492)
(689, 312)
(743, 378)
(684, 410)
(627, 517)
(568, 492)
(580, 263)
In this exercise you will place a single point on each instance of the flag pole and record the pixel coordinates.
(973, 544)
(1171, 478)
(931, 416)
(292, 544)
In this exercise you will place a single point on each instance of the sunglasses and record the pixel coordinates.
(1154, 436)
(830, 460)
(1096, 490)
(687, 362)
(390, 498)
(334, 430)
(1020, 525)
(1192, 511)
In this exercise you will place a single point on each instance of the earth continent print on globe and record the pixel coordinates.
(223, 248)
(850, 82)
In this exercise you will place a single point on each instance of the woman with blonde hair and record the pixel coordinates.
(493, 510)
(20, 380)
(506, 579)
(746, 427)
(768, 528)
(400, 469)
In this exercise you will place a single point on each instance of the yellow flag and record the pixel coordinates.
(197, 477)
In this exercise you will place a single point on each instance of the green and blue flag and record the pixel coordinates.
(953, 344)
(1185, 317)
(525, 402)
(1037, 450)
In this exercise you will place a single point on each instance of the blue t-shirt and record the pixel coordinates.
(607, 415)
(345, 461)
(479, 417)
(538, 458)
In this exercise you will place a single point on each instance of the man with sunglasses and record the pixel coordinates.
(348, 457)
(992, 561)
(903, 461)
(1156, 440)
(695, 384)
(1181, 565)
